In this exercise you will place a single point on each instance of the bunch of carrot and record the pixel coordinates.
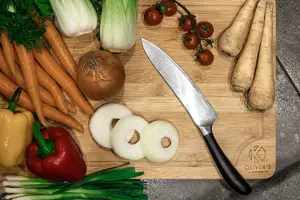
(41, 76)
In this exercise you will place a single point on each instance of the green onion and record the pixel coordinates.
(25, 179)
(102, 195)
(90, 178)
(13, 196)
(51, 197)
(134, 192)
(111, 183)
(29, 191)
(120, 174)
(27, 184)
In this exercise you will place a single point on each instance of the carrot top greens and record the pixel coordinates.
(42, 7)
(16, 20)
(15, 17)
(21, 29)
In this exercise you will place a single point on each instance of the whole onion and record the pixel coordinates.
(101, 75)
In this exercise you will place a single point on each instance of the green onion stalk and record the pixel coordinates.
(113, 183)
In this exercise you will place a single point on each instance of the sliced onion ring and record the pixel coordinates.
(101, 122)
(119, 137)
(151, 141)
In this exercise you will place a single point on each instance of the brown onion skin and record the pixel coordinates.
(105, 83)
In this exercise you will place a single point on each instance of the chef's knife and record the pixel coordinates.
(199, 109)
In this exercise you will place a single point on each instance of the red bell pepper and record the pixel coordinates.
(55, 156)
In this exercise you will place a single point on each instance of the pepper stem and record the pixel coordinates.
(46, 147)
(14, 100)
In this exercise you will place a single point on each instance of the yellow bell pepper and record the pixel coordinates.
(15, 133)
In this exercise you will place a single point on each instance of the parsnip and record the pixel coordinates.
(262, 93)
(243, 72)
(233, 38)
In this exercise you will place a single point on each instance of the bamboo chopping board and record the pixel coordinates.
(247, 138)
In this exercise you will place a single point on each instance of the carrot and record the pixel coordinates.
(262, 93)
(46, 96)
(234, 37)
(46, 81)
(63, 79)
(60, 49)
(18, 78)
(243, 72)
(9, 51)
(7, 88)
(3, 65)
(30, 76)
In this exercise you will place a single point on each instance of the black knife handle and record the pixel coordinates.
(227, 170)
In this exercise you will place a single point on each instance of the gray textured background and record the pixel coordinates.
(286, 181)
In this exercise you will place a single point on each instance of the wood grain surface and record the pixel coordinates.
(247, 138)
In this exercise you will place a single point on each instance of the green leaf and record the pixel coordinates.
(21, 29)
(19, 25)
(43, 7)
(91, 177)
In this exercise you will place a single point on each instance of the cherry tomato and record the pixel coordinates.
(205, 57)
(190, 40)
(170, 7)
(205, 29)
(186, 22)
(153, 17)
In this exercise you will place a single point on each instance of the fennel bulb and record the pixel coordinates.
(75, 17)
(118, 24)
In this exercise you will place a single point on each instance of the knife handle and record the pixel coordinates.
(227, 170)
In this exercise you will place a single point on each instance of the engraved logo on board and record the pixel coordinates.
(257, 154)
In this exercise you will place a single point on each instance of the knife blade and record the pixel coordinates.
(199, 109)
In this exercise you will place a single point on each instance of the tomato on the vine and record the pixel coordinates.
(153, 17)
(170, 8)
(190, 40)
(205, 29)
(186, 22)
(197, 35)
(205, 57)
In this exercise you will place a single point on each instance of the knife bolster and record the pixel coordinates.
(206, 129)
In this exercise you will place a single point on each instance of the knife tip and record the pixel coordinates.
(144, 40)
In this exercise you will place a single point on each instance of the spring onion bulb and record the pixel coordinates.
(30, 191)
(118, 24)
(26, 184)
(13, 196)
(75, 17)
